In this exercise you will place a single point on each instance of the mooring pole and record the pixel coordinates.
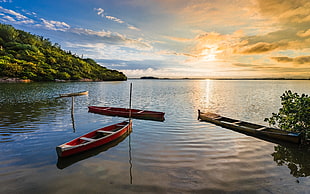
(130, 93)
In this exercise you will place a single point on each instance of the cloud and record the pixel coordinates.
(273, 71)
(100, 12)
(178, 39)
(114, 19)
(13, 13)
(55, 25)
(112, 38)
(18, 18)
(290, 20)
(295, 60)
(14, 17)
(304, 33)
(244, 65)
(290, 12)
(133, 28)
(260, 47)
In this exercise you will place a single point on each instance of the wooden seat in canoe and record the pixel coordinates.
(237, 122)
(101, 131)
(262, 128)
(87, 139)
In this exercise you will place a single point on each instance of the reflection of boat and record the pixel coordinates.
(94, 139)
(67, 161)
(125, 112)
(74, 94)
(250, 128)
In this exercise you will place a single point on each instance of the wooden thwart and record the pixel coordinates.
(101, 131)
(87, 139)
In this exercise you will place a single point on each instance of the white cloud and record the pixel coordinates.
(55, 25)
(9, 18)
(133, 28)
(11, 12)
(112, 38)
(13, 16)
(114, 19)
(100, 12)
(102, 33)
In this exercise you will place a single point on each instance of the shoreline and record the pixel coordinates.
(14, 80)
(159, 78)
(19, 80)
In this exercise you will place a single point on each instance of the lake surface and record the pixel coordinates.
(179, 155)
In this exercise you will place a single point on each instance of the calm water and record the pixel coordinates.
(179, 155)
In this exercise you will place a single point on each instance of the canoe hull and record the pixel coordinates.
(124, 112)
(251, 128)
(98, 138)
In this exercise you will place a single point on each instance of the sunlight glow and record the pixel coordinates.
(210, 53)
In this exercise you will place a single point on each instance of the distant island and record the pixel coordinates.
(24, 56)
(149, 77)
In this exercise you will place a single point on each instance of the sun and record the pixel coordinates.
(209, 53)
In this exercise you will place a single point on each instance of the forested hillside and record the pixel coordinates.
(27, 56)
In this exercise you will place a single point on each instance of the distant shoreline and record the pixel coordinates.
(158, 78)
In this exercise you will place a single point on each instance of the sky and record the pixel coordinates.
(176, 38)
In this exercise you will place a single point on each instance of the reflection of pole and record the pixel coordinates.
(130, 162)
(72, 114)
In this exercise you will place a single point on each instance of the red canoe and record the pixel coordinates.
(124, 112)
(94, 139)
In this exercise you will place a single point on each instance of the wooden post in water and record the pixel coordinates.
(130, 93)
(72, 114)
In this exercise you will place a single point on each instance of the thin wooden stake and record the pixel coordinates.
(72, 113)
(130, 93)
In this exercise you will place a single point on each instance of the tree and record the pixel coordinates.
(294, 115)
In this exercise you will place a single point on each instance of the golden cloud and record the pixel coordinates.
(296, 60)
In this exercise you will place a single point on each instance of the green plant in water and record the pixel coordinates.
(294, 115)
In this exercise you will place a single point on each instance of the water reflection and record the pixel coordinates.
(295, 158)
(68, 161)
(130, 159)
(20, 117)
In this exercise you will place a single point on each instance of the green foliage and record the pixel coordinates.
(294, 115)
(27, 56)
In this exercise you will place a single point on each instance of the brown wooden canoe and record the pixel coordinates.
(250, 128)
